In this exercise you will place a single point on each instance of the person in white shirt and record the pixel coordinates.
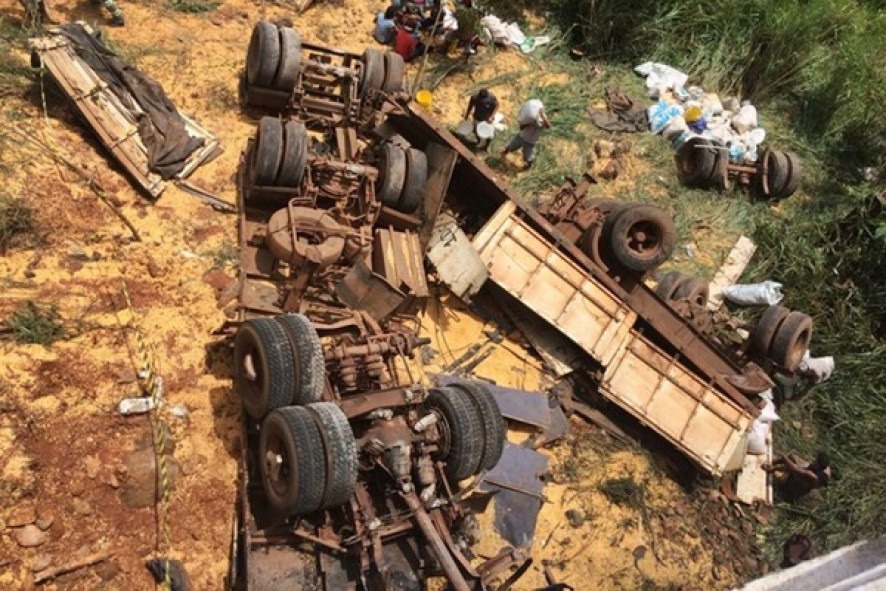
(533, 120)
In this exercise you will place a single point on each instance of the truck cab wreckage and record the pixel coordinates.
(353, 469)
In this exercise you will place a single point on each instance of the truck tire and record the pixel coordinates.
(493, 424)
(669, 284)
(391, 175)
(695, 162)
(340, 452)
(777, 176)
(290, 60)
(373, 71)
(295, 155)
(293, 472)
(795, 175)
(267, 151)
(761, 340)
(588, 243)
(394, 69)
(720, 174)
(641, 236)
(416, 179)
(459, 424)
(264, 369)
(308, 355)
(263, 55)
(791, 340)
(693, 289)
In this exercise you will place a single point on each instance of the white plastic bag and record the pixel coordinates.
(674, 128)
(760, 429)
(818, 369)
(661, 75)
(768, 292)
(746, 119)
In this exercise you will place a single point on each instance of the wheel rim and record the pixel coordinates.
(798, 349)
(643, 239)
(278, 465)
(445, 433)
(252, 372)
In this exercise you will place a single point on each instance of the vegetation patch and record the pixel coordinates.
(623, 491)
(36, 323)
(17, 226)
(192, 6)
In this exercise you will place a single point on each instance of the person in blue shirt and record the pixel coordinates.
(386, 25)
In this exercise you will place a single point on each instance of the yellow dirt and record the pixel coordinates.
(59, 403)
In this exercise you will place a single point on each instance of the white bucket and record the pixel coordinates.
(485, 131)
(464, 128)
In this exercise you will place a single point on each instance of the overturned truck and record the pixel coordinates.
(354, 472)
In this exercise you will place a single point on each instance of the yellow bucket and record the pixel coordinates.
(424, 98)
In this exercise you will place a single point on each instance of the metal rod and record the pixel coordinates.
(435, 543)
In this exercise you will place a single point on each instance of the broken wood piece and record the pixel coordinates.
(731, 270)
(51, 573)
(206, 197)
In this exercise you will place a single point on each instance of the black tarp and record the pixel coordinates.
(160, 127)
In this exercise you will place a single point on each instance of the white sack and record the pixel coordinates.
(768, 292)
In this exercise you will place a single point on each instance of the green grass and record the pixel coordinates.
(16, 223)
(192, 6)
(36, 323)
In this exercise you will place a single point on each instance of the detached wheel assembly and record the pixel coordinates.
(696, 160)
(589, 242)
(641, 237)
(263, 55)
(493, 424)
(308, 354)
(264, 368)
(459, 425)
(768, 325)
(293, 466)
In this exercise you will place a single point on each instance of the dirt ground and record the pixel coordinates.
(80, 475)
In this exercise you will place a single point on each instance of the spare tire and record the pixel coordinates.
(589, 240)
(695, 162)
(791, 341)
(641, 237)
(391, 175)
(263, 55)
(318, 238)
(267, 151)
(295, 155)
(293, 473)
(373, 71)
(394, 68)
(290, 60)
(416, 179)
(264, 369)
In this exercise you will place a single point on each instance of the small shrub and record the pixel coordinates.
(16, 222)
(192, 6)
(36, 323)
(622, 491)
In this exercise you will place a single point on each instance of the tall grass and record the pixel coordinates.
(825, 59)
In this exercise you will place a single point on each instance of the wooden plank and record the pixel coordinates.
(441, 163)
(731, 270)
(754, 483)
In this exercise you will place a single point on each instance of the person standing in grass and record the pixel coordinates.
(533, 120)
(484, 106)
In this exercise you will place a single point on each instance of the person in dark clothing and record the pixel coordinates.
(484, 106)
(801, 481)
